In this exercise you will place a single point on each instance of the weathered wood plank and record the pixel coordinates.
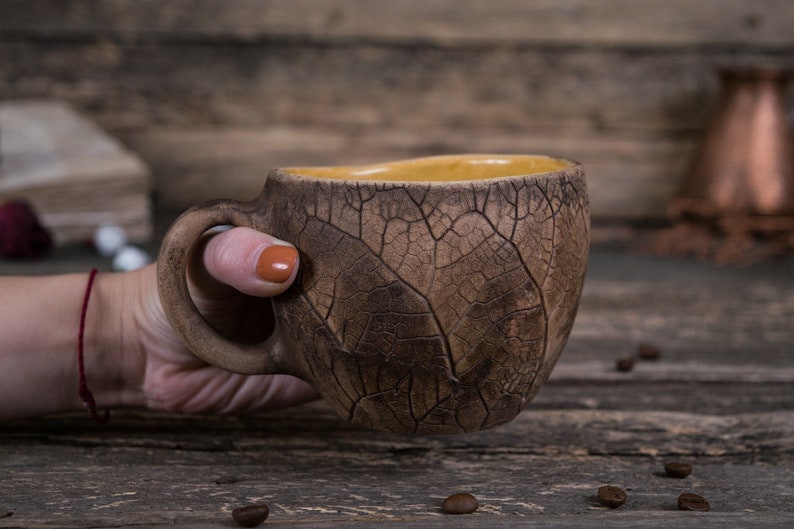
(569, 22)
(588, 427)
(579, 77)
(627, 177)
(185, 496)
(704, 372)
(312, 468)
(712, 398)
(129, 85)
(695, 311)
(631, 117)
(315, 432)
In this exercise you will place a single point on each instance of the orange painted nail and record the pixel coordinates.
(275, 263)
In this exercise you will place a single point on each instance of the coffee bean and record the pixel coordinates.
(611, 496)
(250, 516)
(692, 502)
(678, 469)
(624, 364)
(226, 480)
(646, 351)
(460, 503)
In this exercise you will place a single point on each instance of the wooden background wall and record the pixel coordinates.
(212, 93)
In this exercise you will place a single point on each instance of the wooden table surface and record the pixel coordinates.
(720, 397)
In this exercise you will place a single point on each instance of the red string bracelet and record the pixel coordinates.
(85, 394)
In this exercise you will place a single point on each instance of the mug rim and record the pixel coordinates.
(299, 172)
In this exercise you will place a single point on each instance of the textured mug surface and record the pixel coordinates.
(435, 295)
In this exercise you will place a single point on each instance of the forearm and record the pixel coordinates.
(39, 326)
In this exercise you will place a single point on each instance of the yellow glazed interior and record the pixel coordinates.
(441, 168)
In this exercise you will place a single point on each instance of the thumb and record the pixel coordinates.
(250, 261)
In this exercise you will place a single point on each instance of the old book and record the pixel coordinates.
(76, 176)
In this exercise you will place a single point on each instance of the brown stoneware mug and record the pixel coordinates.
(434, 296)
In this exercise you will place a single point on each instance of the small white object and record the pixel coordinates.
(109, 239)
(130, 258)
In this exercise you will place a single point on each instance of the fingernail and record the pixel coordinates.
(275, 263)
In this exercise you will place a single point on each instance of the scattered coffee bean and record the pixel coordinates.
(611, 496)
(678, 469)
(460, 503)
(226, 480)
(250, 516)
(692, 502)
(647, 351)
(624, 364)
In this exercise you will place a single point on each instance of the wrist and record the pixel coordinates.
(114, 362)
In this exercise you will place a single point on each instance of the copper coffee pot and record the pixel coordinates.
(743, 169)
(736, 204)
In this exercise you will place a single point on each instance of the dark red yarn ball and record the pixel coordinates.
(21, 234)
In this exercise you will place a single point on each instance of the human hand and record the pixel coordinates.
(226, 282)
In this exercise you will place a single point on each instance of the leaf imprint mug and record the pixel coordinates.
(435, 294)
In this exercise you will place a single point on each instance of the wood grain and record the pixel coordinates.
(730, 413)
(128, 85)
(628, 177)
(623, 86)
(764, 23)
(546, 467)
(214, 126)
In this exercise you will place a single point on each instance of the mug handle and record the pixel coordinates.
(199, 336)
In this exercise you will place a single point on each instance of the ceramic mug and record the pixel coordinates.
(435, 294)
